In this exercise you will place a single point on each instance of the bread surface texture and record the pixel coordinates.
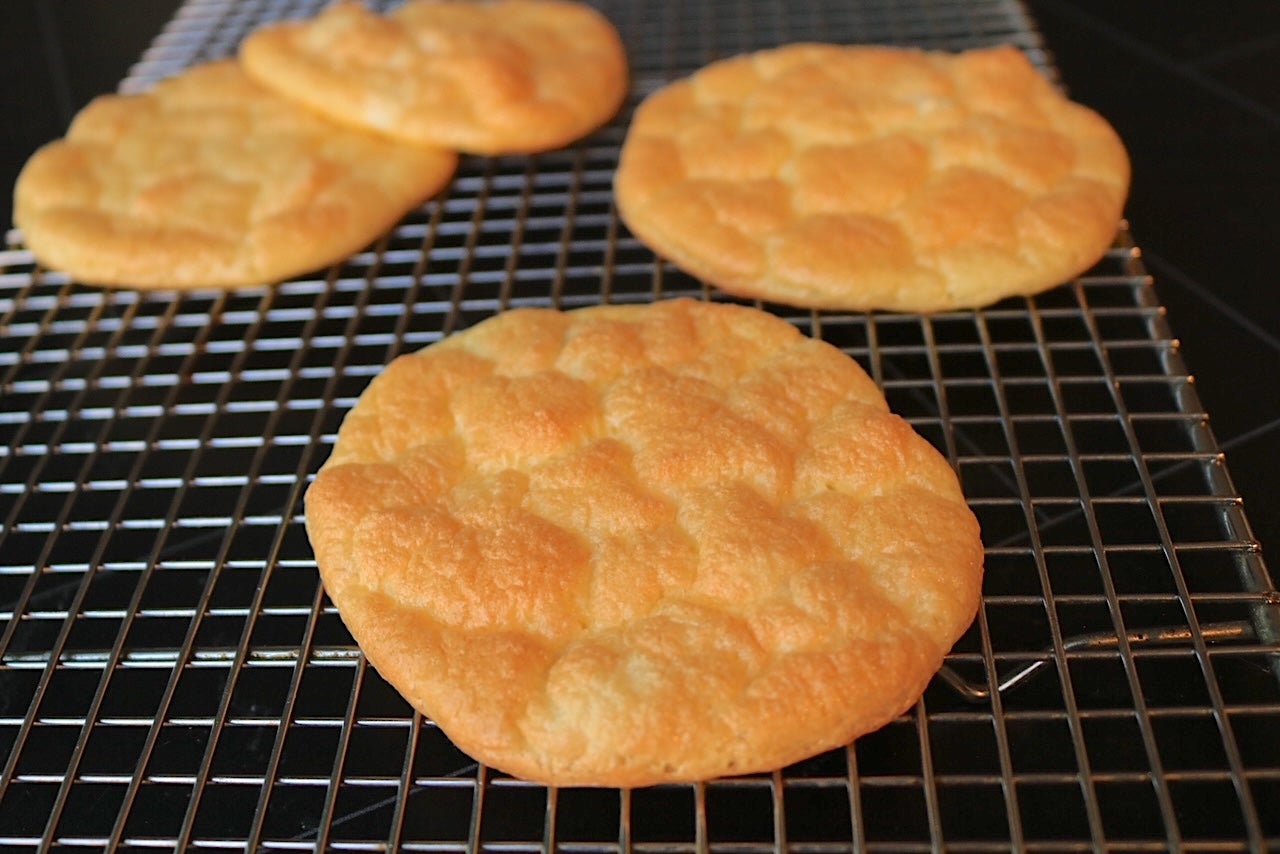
(209, 180)
(626, 545)
(861, 177)
(503, 76)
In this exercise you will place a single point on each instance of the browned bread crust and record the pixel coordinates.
(483, 77)
(210, 180)
(872, 177)
(626, 545)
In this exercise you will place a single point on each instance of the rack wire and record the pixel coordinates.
(172, 675)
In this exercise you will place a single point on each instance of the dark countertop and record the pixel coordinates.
(1190, 88)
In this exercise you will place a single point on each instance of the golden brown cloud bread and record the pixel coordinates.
(872, 177)
(625, 545)
(210, 180)
(487, 78)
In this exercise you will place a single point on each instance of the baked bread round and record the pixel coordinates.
(507, 76)
(210, 180)
(872, 177)
(633, 544)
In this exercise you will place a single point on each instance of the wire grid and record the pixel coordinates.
(171, 674)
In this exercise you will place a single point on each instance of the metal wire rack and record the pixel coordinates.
(172, 675)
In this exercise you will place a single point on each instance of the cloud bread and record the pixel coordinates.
(487, 78)
(210, 180)
(633, 544)
(872, 177)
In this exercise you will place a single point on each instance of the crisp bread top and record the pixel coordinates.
(873, 177)
(210, 180)
(486, 78)
(624, 545)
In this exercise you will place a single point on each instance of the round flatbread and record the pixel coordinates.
(873, 178)
(634, 544)
(510, 76)
(210, 180)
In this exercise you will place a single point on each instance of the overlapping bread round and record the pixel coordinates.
(873, 177)
(632, 544)
(490, 77)
(208, 179)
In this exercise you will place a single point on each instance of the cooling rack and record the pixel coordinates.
(172, 675)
